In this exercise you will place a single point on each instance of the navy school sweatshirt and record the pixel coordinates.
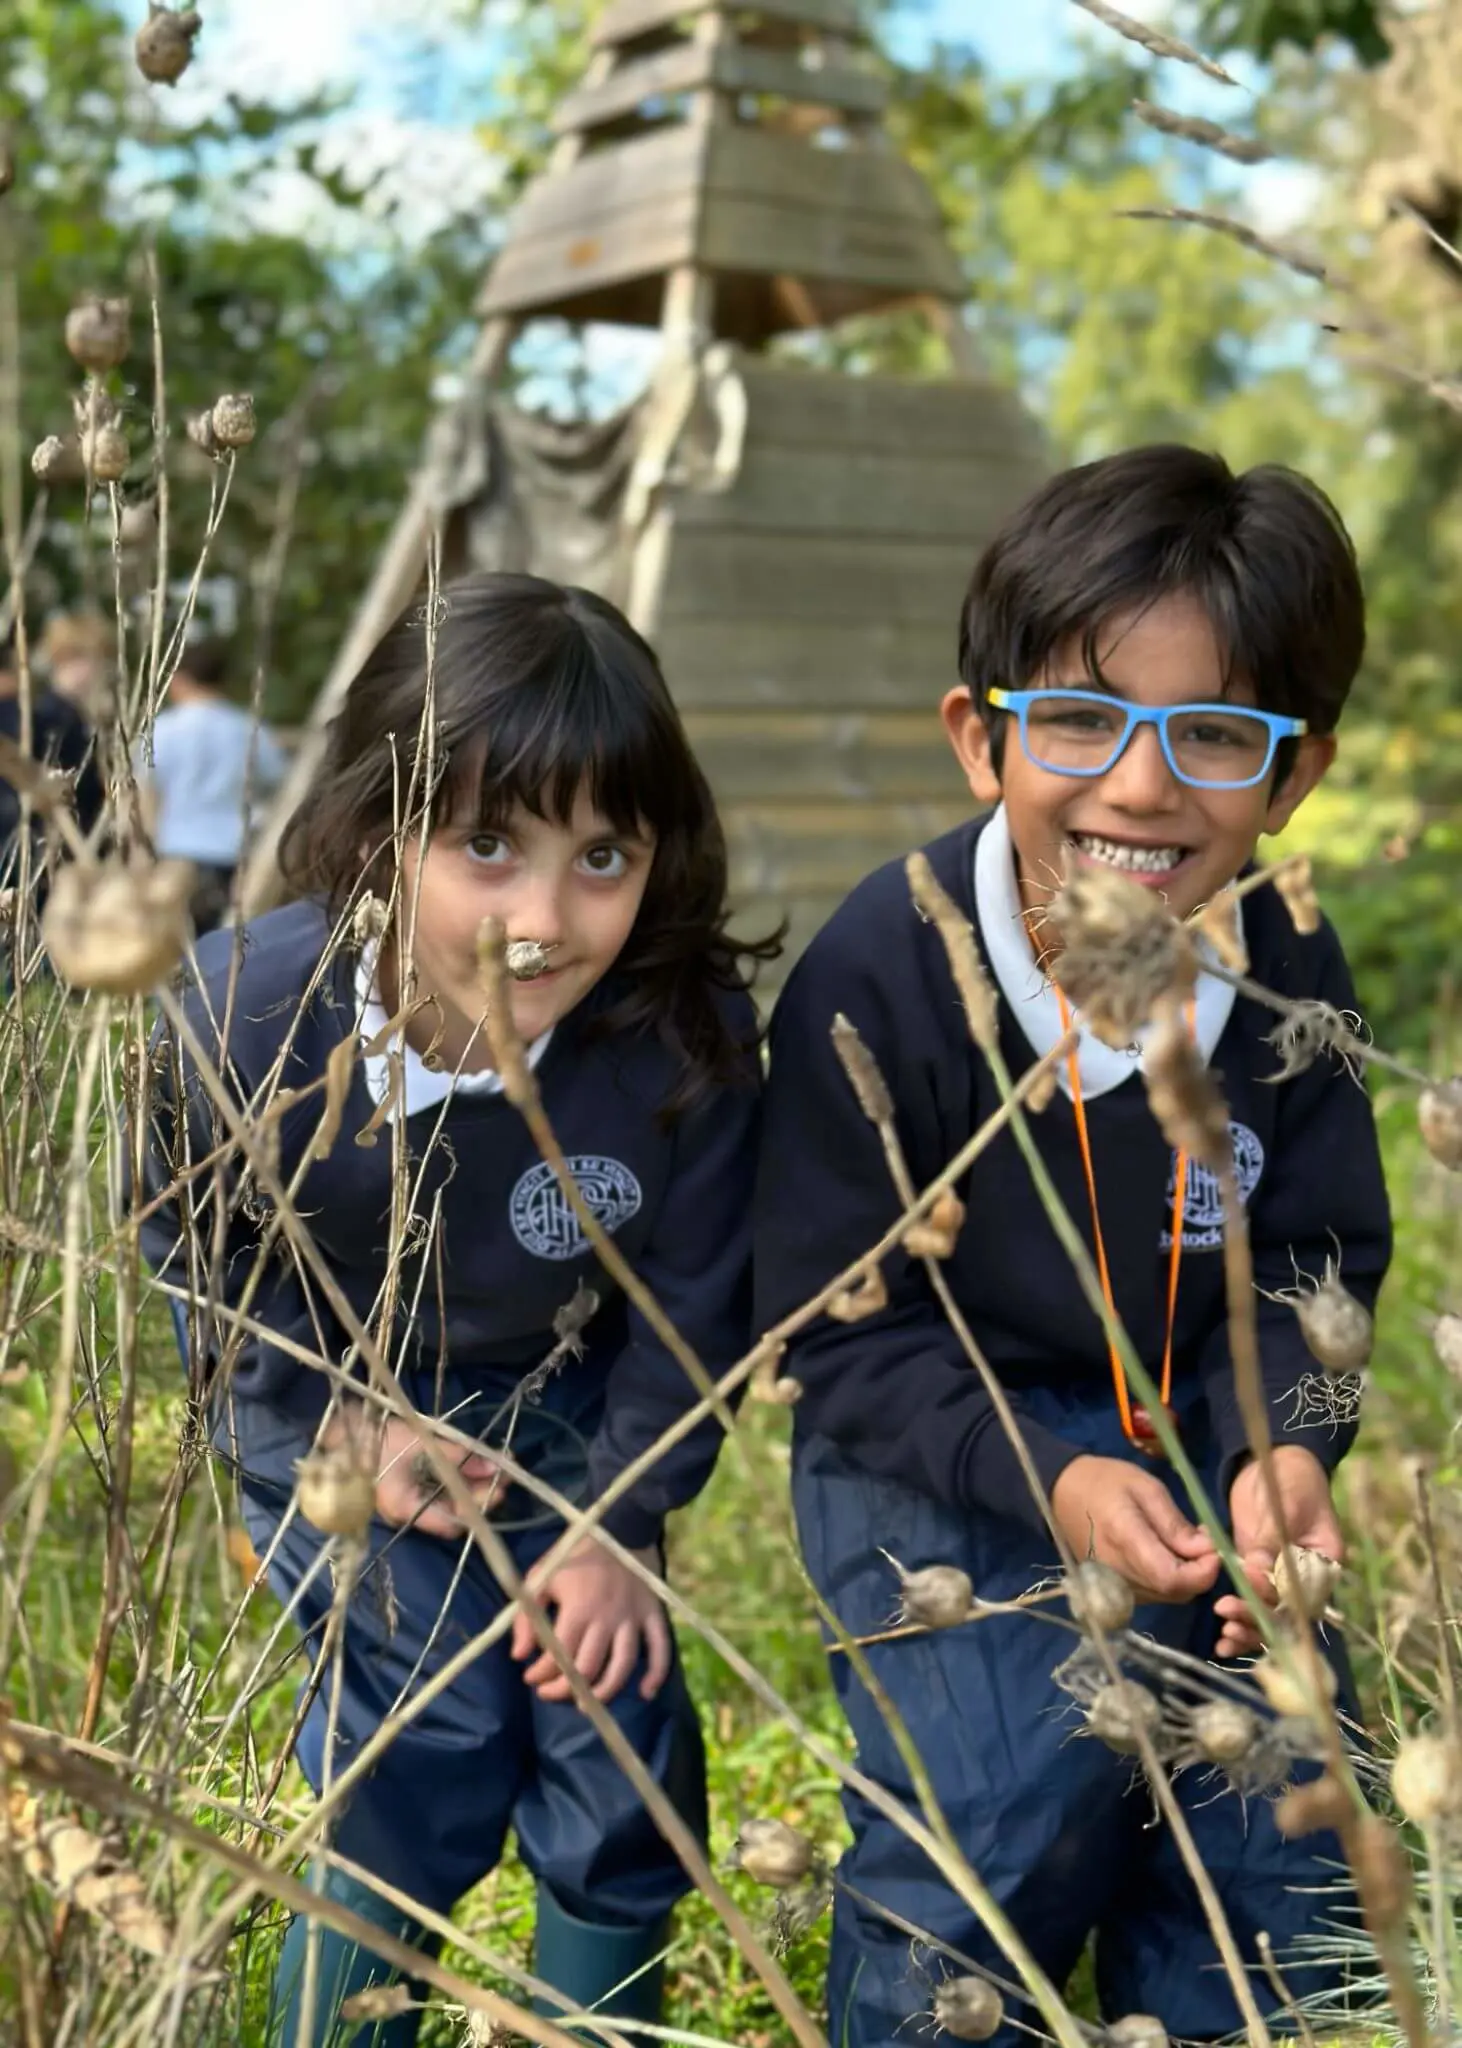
(895, 1392)
(675, 1197)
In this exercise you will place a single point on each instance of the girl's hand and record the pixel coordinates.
(1310, 1522)
(602, 1614)
(1113, 1510)
(407, 1488)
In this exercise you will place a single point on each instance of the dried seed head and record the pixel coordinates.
(336, 1492)
(1224, 1732)
(368, 921)
(117, 926)
(1447, 1340)
(1138, 2030)
(200, 433)
(1305, 1031)
(1439, 1114)
(378, 2002)
(234, 425)
(934, 1238)
(1122, 952)
(1289, 1692)
(866, 1299)
(772, 1853)
(938, 1596)
(528, 958)
(1426, 1779)
(53, 460)
(1319, 1806)
(99, 332)
(862, 1070)
(137, 524)
(1295, 882)
(1181, 1092)
(1306, 1591)
(1120, 1712)
(164, 46)
(1222, 925)
(105, 453)
(1382, 1873)
(1099, 1597)
(969, 2008)
(1337, 1329)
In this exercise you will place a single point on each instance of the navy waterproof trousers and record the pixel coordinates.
(1060, 1828)
(486, 1753)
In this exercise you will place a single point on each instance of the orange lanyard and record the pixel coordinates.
(1136, 1425)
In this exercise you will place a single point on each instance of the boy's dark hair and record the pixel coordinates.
(538, 690)
(206, 661)
(1264, 553)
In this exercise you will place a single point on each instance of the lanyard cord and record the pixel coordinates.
(1133, 1434)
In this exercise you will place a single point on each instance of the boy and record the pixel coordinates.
(211, 765)
(1150, 583)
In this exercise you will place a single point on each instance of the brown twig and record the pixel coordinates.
(1239, 149)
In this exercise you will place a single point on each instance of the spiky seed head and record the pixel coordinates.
(772, 1853)
(1426, 1779)
(200, 432)
(1122, 952)
(99, 333)
(969, 2008)
(938, 1596)
(105, 453)
(1335, 1326)
(1099, 1597)
(1224, 1731)
(1447, 1341)
(1119, 1710)
(1439, 1114)
(1295, 881)
(234, 425)
(164, 45)
(1288, 1691)
(862, 1069)
(118, 926)
(1319, 1806)
(527, 958)
(337, 1494)
(378, 2002)
(1306, 1590)
(53, 459)
(1138, 2030)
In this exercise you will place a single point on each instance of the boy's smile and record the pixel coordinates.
(1185, 842)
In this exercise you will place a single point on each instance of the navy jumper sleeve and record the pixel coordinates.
(1322, 1199)
(895, 1391)
(697, 1265)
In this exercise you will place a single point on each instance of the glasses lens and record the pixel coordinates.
(1219, 746)
(1073, 734)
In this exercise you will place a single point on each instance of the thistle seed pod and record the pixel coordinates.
(1337, 1329)
(1289, 1694)
(1319, 1806)
(200, 432)
(53, 460)
(99, 333)
(969, 2008)
(934, 1238)
(117, 927)
(1138, 2030)
(1306, 1591)
(164, 45)
(1447, 1340)
(369, 921)
(939, 1596)
(1122, 952)
(527, 958)
(1119, 1710)
(234, 425)
(378, 2002)
(1439, 1113)
(1099, 1597)
(336, 1492)
(1426, 1779)
(772, 1853)
(106, 454)
(866, 1299)
(1224, 1732)
(1295, 882)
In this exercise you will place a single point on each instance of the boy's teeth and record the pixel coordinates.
(1139, 860)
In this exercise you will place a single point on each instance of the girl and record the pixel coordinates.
(515, 754)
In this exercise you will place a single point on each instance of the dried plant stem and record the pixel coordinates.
(984, 1610)
(1446, 1639)
(1236, 231)
(1281, 1990)
(1346, 1042)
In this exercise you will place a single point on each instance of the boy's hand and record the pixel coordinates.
(1310, 1523)
(601, 1613)
(407, 1489)
(1112, 1510)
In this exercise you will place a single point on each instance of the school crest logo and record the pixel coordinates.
(1203, 1197)
(542, 1220)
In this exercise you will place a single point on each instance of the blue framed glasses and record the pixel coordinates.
(1207, 746)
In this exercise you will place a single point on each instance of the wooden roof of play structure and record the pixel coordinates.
(795, 542)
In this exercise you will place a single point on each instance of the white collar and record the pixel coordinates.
(1030, 994)
(421, 1086)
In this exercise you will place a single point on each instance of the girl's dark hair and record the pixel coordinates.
(539, 690)
(1264, 553)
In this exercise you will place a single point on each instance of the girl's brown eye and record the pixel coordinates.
(488, 847)
(608, 861)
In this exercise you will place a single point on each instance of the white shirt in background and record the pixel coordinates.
(204, 755)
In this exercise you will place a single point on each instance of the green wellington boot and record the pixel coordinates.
(613, 1970)
(341, 1970)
